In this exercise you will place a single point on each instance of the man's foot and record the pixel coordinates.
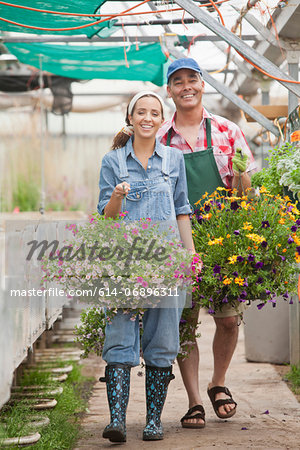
(194, 418)
(222, 401)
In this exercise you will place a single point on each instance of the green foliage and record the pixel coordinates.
(63, 429)
(283, 170)
(91, 332)
(26, 195)
(294, 377)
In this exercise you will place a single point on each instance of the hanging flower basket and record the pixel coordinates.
(250, 248)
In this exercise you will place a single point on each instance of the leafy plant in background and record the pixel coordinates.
(90, 334)
(283, 170)
(250, 248)
(289, 170)
(26, 195)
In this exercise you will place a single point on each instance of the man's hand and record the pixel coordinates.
(239, 161)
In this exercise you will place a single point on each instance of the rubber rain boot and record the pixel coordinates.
(157, 381)
(117, 378)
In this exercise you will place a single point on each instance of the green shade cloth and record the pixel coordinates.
(87, 62)
(47, 20)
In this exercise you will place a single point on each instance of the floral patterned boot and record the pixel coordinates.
(117, 378)
(157, 381)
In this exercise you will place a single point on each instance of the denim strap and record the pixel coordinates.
(122, 163)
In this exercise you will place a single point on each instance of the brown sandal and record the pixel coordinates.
(226, 401)
(190, 415)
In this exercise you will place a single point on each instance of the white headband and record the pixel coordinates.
(143, 94)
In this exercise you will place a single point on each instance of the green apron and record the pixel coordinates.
(201, 169)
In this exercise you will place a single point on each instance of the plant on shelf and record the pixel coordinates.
(250, 248)
(283, 172)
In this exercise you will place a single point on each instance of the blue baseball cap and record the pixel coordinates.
(183, 63)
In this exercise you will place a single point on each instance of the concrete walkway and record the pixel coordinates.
(256, 387)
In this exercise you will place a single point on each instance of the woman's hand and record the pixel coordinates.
(121, 190)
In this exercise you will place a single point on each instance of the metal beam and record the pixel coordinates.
(238, 44)
(45, 38)
(227, 92)
(267, 34)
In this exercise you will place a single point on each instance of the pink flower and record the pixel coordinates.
(135, 231)
(144, 226)
(92, 219)
(144, 283)
(125, 236)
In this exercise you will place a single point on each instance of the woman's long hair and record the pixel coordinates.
(123, 136)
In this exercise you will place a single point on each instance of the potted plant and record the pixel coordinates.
(250, 248)
(282, 176)
(114, 264)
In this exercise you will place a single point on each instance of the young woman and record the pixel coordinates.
(152, 177)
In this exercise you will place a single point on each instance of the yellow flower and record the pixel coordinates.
(281, 221)
(207, 216)
(239, 281)
(296, 239)
(228, 236)
(247, 226)
(245, 205)
(227, 281)
(255, 237)
(216, 241)
(232, 259)
(297, 257)
(263, 190)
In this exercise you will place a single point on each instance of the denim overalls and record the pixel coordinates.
(151, 198)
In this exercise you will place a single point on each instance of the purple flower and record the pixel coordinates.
(235, 274)
(285, 295)
(290, 240)
(298, 250)
(234, 206)
(183, 321)
(274, 270)
(260, 306)
(211, 311)
(282, 257)
(268, 292)
(294, 228)
(240, 259)
(259, 280)
(244, 428)
(210, 299)
(245, 282)
(251, 257)
(265, 224)
(266, 412)
(298, 222)
(243, 294)
(207, 208)
(291, 302)
(219, 205)
(199, 219)
(264, 244)
(236, 232)
(225, 300)
(217, 269)
(259, 265)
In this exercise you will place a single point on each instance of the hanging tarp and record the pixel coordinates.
(87, 62)
(30, 20)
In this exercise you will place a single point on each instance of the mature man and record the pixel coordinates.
(216, 155)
